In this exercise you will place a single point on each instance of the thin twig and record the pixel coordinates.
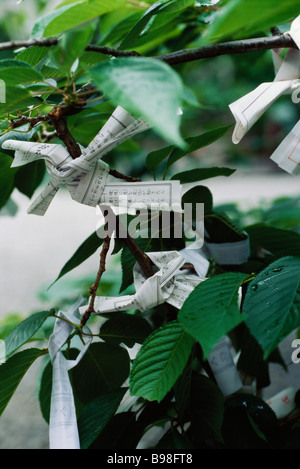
(94, 287)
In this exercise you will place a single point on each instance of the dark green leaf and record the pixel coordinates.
(206, 408)
(273, 239)
(199, 174)
(97, 414)
(7, 175)
(272, 303)
(29, 177)
(212, 309)
(125, 328)
(198, 195)
(85, 250)
(103, 368)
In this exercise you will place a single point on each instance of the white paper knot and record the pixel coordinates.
(85, 176)
(168, 284)
(248, 109)
(63, 431)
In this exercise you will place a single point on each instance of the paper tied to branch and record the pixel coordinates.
(233, 253)
(248, 109)
(224, 369)
(63, 431)
(85, 177)
(167, 284)
(283, 403)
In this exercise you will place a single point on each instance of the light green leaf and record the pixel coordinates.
(70, 46)
(72, 15)
(241, 18)
(146, 88)
(160, 362)
(33, 55)
(97, 414)
(24, 331)
(12, 372)
(17, 99)
(194, 175)
(16, 72)
(272, 303)
(212, 309)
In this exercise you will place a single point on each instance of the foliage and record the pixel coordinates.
(166, 377)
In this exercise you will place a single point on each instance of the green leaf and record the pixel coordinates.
(70, 46)
(206, 409)
(24, 331)
(221, 229)
(103, 368)
(85, 250)
(33, 55)
(193, 143)
(17, 99)
(198, 195)
(147, 88)
(29, 177)
(125, 328)
(97, 414)
(212, 309)
(273, 239)
(272, 303)
(75, 14)
(15, 72)
(196, 174)
(160, 362)
(135, 31)
(12, 372)
(7, 176)
(242, 18)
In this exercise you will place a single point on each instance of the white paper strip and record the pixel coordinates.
(156, 195)
(223, 367)
(229, 253)
(283, 403)
(287, 154)
(63, 431)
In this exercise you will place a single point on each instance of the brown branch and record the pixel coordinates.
(32, 121)
(223, 48)
(117, 174)
(177, 57)
(94, 287)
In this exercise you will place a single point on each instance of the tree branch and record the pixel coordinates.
(186, 55)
